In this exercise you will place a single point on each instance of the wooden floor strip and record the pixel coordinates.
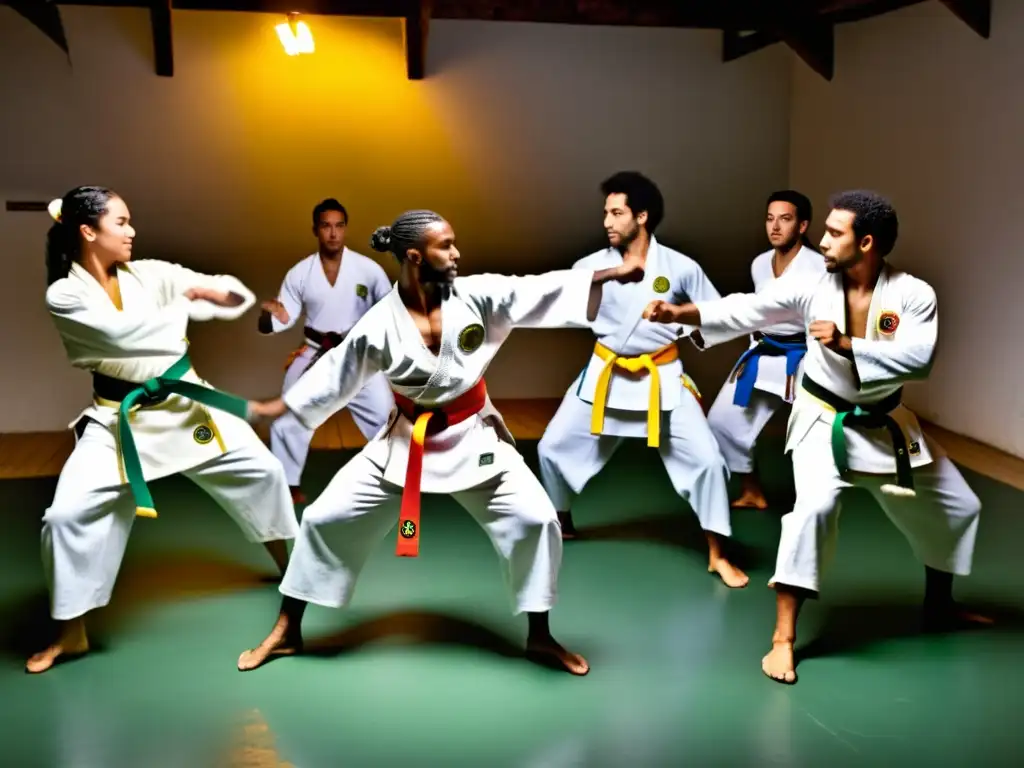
(42, 454)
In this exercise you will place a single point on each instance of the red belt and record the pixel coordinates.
(427, 421)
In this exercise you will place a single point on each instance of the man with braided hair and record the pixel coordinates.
(433, 337)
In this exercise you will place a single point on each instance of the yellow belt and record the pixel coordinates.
(649, 362)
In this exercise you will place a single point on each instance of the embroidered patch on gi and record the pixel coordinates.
(888, 322)
(362, 291)
(914, 448)
(471, 337)
(408, 529)
(202, 434)
(661, 284)
(486, 459)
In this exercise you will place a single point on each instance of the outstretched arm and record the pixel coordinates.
(213, 297)
(737, 314)
(330, 384)
(565, 298)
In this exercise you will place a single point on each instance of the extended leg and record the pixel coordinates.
(570, 456)
(806, 545)
(523, 527)
(338, 532)
(85, 532)
(289, 439)
(941, 524)
(736, 430)
(249, 484)
(697, 470)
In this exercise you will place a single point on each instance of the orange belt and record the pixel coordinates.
(424, 423)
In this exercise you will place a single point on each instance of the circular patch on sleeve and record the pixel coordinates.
(661, 284)
(202, 434)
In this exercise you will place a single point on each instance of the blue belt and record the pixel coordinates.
(794, 347)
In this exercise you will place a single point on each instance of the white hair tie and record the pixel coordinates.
(54, 208)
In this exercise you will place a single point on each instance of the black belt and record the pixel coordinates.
(789, 338)
(870, 416)
(116, 390)
(325, 340)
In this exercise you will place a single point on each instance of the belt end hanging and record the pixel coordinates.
(889, 489)
(145, 512)
(408, 539)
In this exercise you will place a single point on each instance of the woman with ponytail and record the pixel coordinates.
(126, 322)
(433, 337)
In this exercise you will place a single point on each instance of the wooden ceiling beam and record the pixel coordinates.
(976, 14)
(44, 16)
(416, 26)
(814, 42)
(163, 43)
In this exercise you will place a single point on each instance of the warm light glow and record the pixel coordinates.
(295, 36)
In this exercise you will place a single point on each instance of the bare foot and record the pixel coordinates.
(954, 617)
(548, 652)
(779, 664)
(282, 641)
(71, 644)
(751, 499)
(731, 575)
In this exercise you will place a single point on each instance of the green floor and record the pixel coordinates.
(423, 669)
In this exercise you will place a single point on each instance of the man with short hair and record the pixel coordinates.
(334, 287)
(633, 386)
(874, 327)
(765, 377)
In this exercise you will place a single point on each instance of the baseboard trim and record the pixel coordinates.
(42, 454)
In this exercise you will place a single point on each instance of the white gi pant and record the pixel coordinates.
(289, 439)
(86, 527)
(570, 455)
(358, 508)
(736, 428)
(940, 523)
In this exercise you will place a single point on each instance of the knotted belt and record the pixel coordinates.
(325, 340)
(427, 421)
(129, 394)
(649, 362)
(871, 416)
(744, 373)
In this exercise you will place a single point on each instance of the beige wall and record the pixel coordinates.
(932, 115)
(508, 137)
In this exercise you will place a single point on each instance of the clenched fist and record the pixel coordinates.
(827, 333)
(659, 311)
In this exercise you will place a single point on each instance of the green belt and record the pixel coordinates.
(155, 390)
(872, 416)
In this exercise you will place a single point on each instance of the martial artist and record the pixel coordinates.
(765, 377)
(873, 328)
(334, 287)
(125, 321)
(433, 337)
(633, 385)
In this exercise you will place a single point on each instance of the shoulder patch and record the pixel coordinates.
(661, 284)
